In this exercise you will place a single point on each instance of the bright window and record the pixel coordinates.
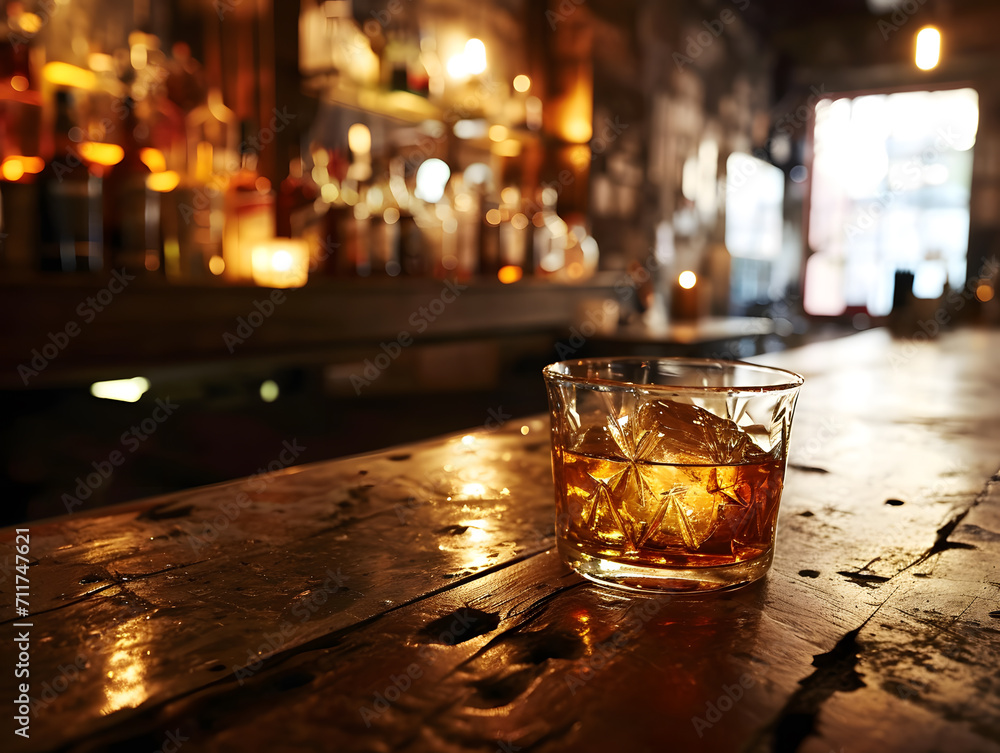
(891, 175)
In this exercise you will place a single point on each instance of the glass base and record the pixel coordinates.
(621, 575)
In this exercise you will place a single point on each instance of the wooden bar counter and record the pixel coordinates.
(412, 599)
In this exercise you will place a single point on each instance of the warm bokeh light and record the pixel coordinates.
(153, 159)
(475, 56)
(510, 196)
(216, 265)
(329, 192)
(522, 83)
(390, 216)
(507, 148)
(493, 216)
(64, 74)
(984, 292)
(163, 182)
(126, 390)
(687, 279)
(509, 274)
(359, 138)
(12, 169)
(281, 263)
(928, 48)
(575, 113)
(519, 221)
(29, 23)
(432, 178)
(139, 56)
(470, 62)
(18, 83)
(98, 153)
(498, 132)
(101, 62)
(32, 165)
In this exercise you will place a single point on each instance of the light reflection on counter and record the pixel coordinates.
(126, 667)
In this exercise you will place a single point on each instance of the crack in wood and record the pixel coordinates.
(836, 672)
(118, 579)
(941, 544)
(134, 723)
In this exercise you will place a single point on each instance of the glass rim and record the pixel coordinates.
(794, 380)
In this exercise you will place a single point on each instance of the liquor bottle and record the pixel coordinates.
(212, 132)
(249, 212)
(69, 201)
(296, 215)
(20, 121)
(131, 216)
(384, 224)
(185, 84)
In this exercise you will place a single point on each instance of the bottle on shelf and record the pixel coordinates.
(71, 237)
(20, 124)
(249, 212)
(212, 133)
(383, 224)
(131, 209)
(513, 231)
(296, 212)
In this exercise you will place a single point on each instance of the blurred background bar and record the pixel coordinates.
(225, 224)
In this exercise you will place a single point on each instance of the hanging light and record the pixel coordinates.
(928, 53)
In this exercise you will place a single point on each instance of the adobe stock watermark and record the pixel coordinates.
(257, 483)
(902, 13)
(304, 610)
(927, 329)
(393, 7)
(247, 325)
(784, 126)
(45, 10)
(607, 649)
(420, 320)
(87, 310)
(399, 684)
(264, 309)
(596, 320)
(724, 703)
(131, 439)
(212, 191)
(564, 10)
(224, 7)
(705, 38)
(908, 178)
(496, 419)
(121, 107)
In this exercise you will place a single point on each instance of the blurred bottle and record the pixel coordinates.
(249, 211)
(185, 84)
(384, 224)
(313, 51)
(20, 123)
(412, 260)
(212, 134)
(489, 237)
(513, 231)
(131, 210)
(69, 200)
(296, 213)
